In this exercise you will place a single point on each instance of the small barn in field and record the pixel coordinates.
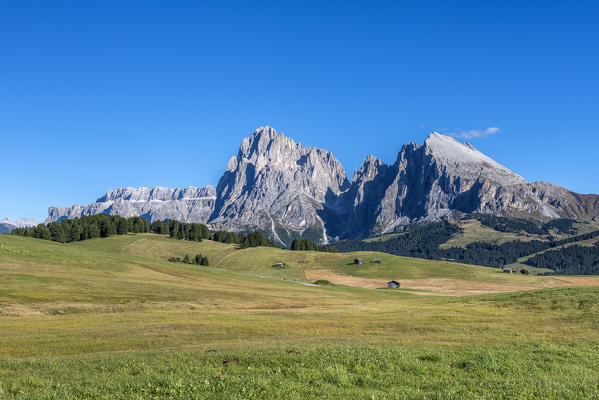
(378, 260)
(393, 285)
(507, 270)
(358, 261)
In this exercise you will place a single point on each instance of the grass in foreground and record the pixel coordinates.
(529, 371)
(112, 319)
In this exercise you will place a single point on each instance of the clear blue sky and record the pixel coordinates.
(97, 95)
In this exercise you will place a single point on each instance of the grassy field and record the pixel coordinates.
(112, 319)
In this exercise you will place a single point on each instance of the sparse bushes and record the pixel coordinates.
(524, 271)
(197, 260)
(322, 282)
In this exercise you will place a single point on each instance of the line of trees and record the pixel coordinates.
(103, 225)
(307, 244)
(254, 239)
(86, 227)
(181, 230)
(197, 260)
(198, 232)
(577, 238)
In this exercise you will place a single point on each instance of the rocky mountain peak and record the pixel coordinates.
(279, 186)
(273, 178)
(466, 161)
(259, 141)
(368, 170)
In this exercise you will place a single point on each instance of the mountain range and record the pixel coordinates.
(7, 225)
(288, 190)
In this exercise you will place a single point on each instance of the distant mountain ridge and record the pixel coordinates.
(190, 204)
(7, 225)
(288, 190)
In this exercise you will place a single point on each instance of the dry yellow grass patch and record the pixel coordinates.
(450, 287)
(578, 280)
(338, 279)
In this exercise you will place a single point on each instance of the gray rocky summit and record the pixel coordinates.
(287, 190)
(445, 178)
(279, 185)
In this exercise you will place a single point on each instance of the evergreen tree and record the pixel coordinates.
(175, 229)
(196, 232)
(122, 227)
(75, 232)
(205, 231)
(57, 232)
(164, 229)
(94, 231)
(106, 228)
(42, 232)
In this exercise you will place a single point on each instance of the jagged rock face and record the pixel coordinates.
(188, 204)
(287, 190)
(279, 185)
(354, 212)
(447, 178)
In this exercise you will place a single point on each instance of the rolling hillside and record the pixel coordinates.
(112, 318)
(429, 276)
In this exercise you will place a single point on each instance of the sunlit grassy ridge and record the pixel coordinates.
(111, 318)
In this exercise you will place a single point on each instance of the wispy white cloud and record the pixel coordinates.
(474, 133)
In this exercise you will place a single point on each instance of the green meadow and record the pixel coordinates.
(113, 319)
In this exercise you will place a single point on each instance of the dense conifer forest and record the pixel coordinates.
(504, 224)
(423, 242)
(571, 260)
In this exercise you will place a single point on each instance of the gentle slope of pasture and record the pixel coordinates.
(111, 318)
